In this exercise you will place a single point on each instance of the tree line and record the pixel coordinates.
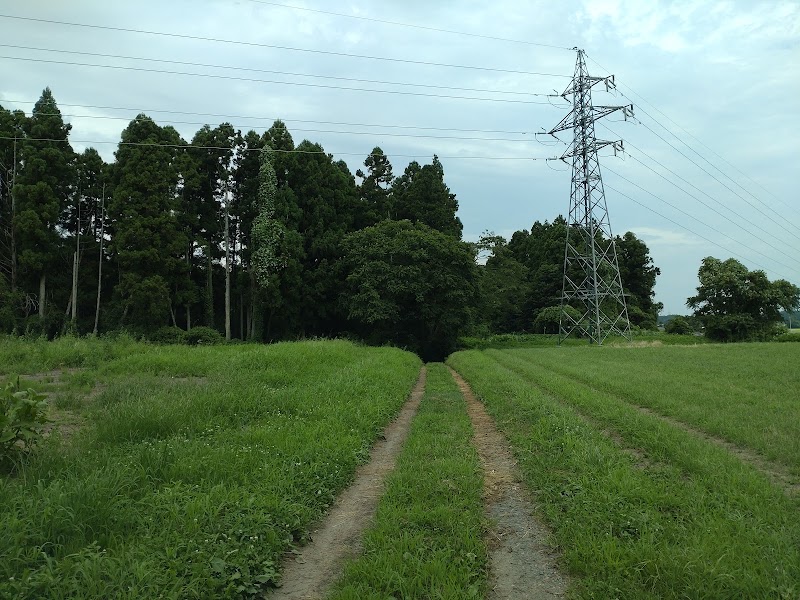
(261, 238)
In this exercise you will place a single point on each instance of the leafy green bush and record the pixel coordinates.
(679, 325)
(22, 415)
(168, 335)
(788, 337)
(203, 336)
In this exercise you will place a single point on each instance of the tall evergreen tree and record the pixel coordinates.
(42, 188)
(147, 239)
(326, 196)
(375, 190)
(638, 275)
(12, 132)
(421, 196)
(208, 175)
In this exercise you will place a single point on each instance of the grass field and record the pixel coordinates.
(193, 469)
(182, 472)
(641, 508)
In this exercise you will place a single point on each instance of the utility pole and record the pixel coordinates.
(227, 267)
(592, 282)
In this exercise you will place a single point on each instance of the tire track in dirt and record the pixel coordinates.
(337, 538)
(522, 565)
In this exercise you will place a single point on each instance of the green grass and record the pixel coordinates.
(427, 540)
(744, 393)
(641, 509)
(197, 469)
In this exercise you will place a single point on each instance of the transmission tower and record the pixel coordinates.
(592, 282)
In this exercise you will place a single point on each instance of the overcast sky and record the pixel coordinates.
(722, 77)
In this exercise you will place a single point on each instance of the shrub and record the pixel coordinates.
(168, 335)
(679, 325)
(22, 415)
(203, 336)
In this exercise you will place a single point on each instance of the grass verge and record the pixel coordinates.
(678, 517)
(427, 540)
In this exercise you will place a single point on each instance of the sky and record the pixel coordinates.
(710, 161)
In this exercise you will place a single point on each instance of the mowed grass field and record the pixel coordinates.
(185, 472)
(647, 507)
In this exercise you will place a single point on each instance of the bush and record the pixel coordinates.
(168, 335)
(788, 337)
(203, 336)
(679, 326)
(22, 415)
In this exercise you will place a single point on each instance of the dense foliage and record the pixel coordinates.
(735, 304)
(141, 244)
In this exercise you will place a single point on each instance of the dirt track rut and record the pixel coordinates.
(522, 566)
(310, 574)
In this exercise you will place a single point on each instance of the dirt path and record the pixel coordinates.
(309, 575)
(522, 565)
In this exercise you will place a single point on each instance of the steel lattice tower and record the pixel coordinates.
(592, 282)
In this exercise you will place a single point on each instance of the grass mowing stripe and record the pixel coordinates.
(194, 488)
(777, 473)
(743, 393)
(660, 440)
(632, 532)
(427, 541)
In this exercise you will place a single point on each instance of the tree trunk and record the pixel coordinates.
(42, 291)
(100, 264)
(210, 289)
(74, 295)
(242, 333)
(13, 224)
(227, 275)
(76, 262)
(172, 314)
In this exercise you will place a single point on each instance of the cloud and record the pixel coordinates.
(654, 236)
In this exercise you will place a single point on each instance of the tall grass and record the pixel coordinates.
(198, 467)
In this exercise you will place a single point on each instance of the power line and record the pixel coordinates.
(411, 25)
(276, 47)
(224, 116)
(363, 133)
(781, 225)
(295, 151)
(725, 207)
(706, 224)
(651, 105)
(689, 230)
(296, 83)
(272, 72)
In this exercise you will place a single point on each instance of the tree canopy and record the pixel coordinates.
(310, 248)
(734, 304)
